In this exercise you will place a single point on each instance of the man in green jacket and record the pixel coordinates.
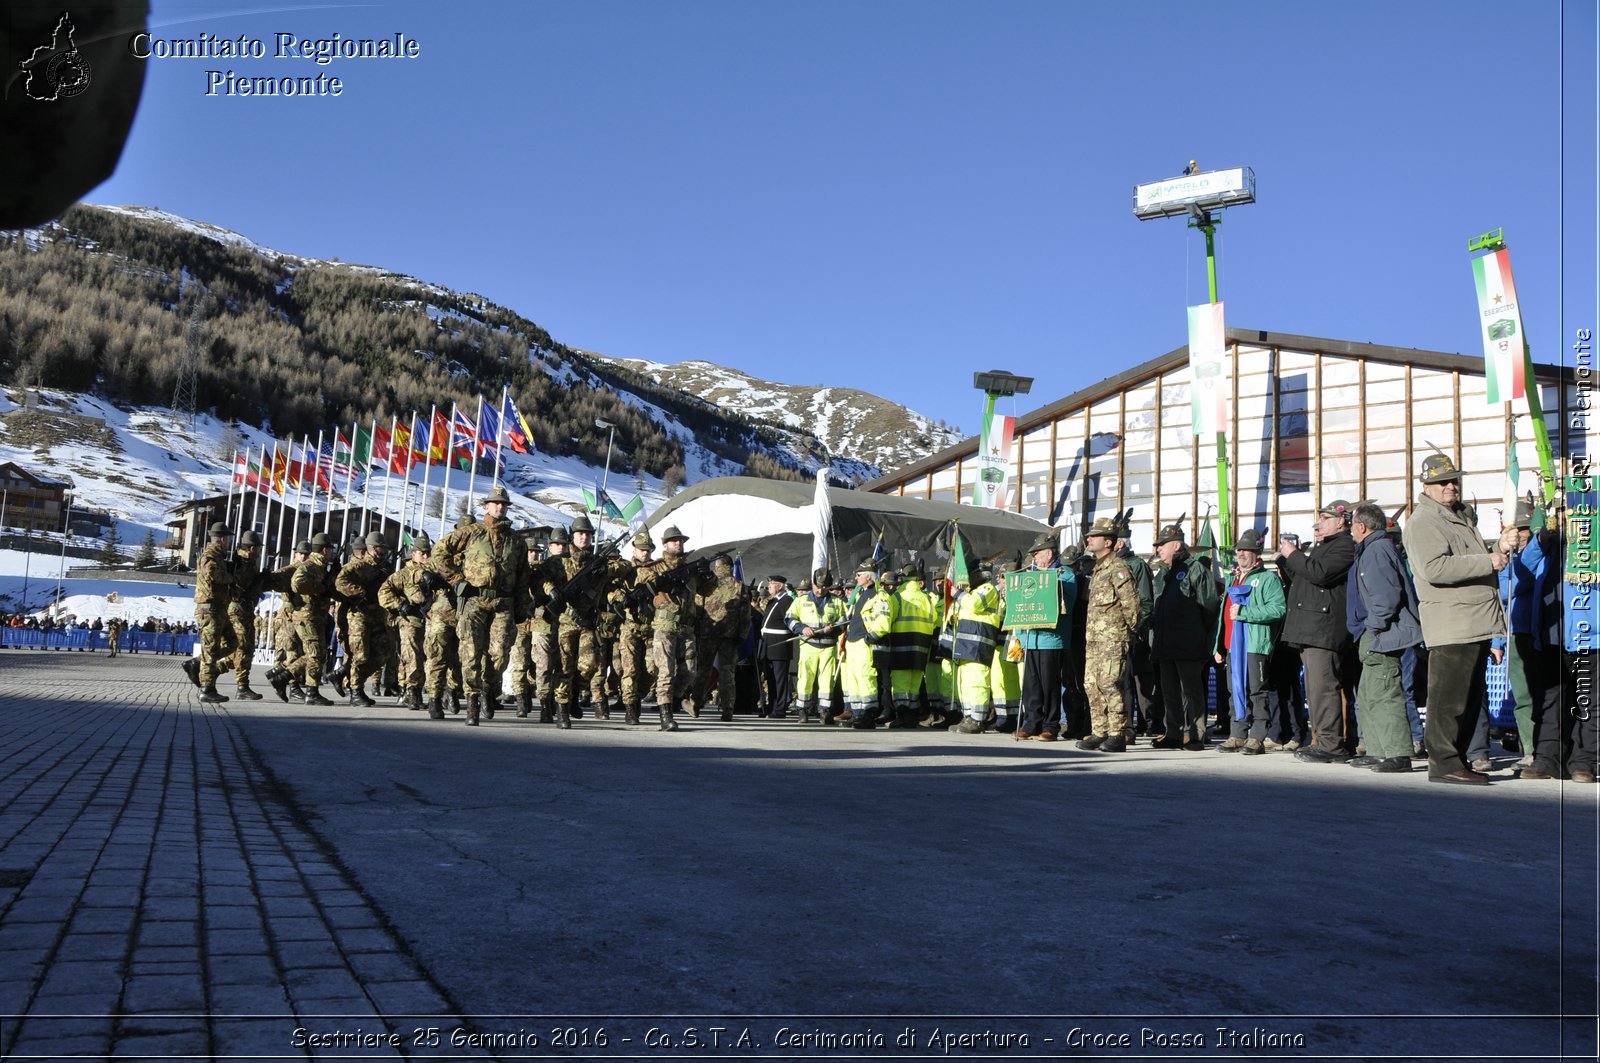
(1253, 610)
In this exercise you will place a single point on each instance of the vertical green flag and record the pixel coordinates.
(363, 448)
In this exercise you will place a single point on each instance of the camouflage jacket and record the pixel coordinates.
(213, 581)
(1113, 603)
(249, 584)
(583, 607)
(673, 603)
(357, 584)
(311, 585)
(725, 610)
(490, 558)
(404, 588)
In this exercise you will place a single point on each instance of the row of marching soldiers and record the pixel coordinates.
(461, 615)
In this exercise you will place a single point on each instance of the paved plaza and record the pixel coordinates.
(260, 880)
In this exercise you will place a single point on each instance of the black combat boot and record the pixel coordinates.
(339, 676)
(191, 668)
(602, 710)
(414, 699)
(564, 715)
(278, 676)
(210, 696)
(314, 696)
(436, 708)
(547, 711)
(244, 693)
(524, 704)
(489, 702)
(904, 718)
(472, 709)
(358, 696)
(297, 692)
(667, 721)
(866, 721)
(727, 716)
(630, 714)
(455, 702)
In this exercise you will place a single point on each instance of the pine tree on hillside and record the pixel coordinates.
(146, 557)
(110, 556)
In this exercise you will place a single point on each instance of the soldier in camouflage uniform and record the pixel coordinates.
(487, 566)
(725, 621)
(249, 584)
(1139, 685)
(407, 594)
(365, 622)
(285, 640)
(1113, 618)
(542, 650)
(213, 590)
(672, 624)
(524, 677)
(310, 594)
(576, 639)
(633, 638)
(440, 644)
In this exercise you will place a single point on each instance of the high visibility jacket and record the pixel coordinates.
(869, 617)
(810, 611)
(977, 624)
(913, 619)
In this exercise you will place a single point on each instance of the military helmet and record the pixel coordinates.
(671, 532)
(1523, 517)
(821, 577)
(867, 566)
(303, 546)
(497, 493)
(561, 537)
(420, 541)
(1106, 526)
(1439, 469)
(321, 541)
(580, 523)
(1249, 539)
(375, 539)
(641, 540)
(219, 530)
(250, 538)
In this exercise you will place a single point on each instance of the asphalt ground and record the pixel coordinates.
(262, 880)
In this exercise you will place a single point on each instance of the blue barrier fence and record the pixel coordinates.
(69, 639)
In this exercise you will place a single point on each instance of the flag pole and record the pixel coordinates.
(283, 509)
(349, 484)
(427, 468)
(472, 474)
(316, 482)
(366, 481)
(1224, 509)
(388, 467)
(444, 459)
(233, 474)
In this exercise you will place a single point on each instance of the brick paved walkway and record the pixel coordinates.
(158, 896)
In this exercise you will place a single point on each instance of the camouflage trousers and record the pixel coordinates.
(723, 655)
(580, 664)
(216, 642)
(311, 635)
(285, 641)
(485, 634)
(367, 643)
(673, 654)
(1104, 664)
(632, 657)
(412, 654)
(243, 622)
(440, 650)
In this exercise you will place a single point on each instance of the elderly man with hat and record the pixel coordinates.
(671, 595)
(250, 583)
(213, 591)
(1181, 626)
(1317, 622)
(816, 618)
(1247, 632)
(486, 564)
(310, 595)
(777, 646)
(366, 626)
(1109, 630)
(1043, 649)
(408, 594)
(1386, 600)
(1458, 586)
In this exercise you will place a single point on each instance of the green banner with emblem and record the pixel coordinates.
(1033, 599)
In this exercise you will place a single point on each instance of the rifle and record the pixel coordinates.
(580, 579)
(669, 578)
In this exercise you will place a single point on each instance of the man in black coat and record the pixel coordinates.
(777, 646)
(1316, 622)
(1183, 622)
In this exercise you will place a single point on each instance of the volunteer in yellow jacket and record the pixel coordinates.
(977, 638)
(867, 622)
(817, 618)
(914, 621)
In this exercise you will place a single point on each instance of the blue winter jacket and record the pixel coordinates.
(1522, 589)
(1055, 638)
(1387, 595)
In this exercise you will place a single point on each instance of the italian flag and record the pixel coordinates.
(1505, 350)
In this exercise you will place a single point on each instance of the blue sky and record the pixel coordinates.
(891, 195)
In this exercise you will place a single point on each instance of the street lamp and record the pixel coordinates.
(66, 533)
(994, 448)
(999, 382)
